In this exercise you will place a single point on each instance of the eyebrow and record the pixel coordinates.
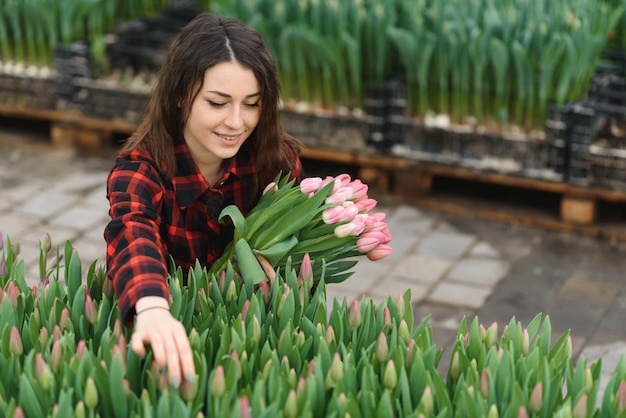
(228, 96)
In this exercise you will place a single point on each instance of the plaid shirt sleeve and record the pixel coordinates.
(136, 255)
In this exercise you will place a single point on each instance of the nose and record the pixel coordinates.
(233, 118)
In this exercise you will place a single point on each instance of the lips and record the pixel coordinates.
(229, 137)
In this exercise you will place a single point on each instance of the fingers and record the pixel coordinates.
(170, 346)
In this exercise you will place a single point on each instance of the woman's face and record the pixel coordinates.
(223, 114)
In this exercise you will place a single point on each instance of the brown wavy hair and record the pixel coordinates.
(208, 40)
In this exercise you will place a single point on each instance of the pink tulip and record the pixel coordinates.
(15, 342)
(367, 244)
(350, 211)
(340, 195)
(270, 187)
(90, 310)
(359, 188)
(380, 252)
(351, 228)
(354, 314)
(376, 218)
(306, 268)
(366, 205)
(344, 179)
(333, 215)
(12, 293)
(3, 268)
(310, 184)
(621, 397)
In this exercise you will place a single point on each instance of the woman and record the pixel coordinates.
(211, 137)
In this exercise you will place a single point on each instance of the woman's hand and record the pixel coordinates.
(155, 326)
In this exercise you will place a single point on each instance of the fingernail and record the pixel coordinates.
(175, 383)
(190, 377)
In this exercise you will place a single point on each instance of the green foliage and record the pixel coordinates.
(276, 351)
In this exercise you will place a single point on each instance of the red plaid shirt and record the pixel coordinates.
(153, 218)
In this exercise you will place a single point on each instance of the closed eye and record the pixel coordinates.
(216, 104)
(255, 104)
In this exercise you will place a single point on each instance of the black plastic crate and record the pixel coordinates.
(598, 146)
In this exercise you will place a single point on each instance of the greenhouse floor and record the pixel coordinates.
(455, 266)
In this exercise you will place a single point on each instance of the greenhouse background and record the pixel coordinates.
(526, 88)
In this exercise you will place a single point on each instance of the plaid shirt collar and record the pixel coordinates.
(189, 183)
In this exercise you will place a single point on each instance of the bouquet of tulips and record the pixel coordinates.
(318, 227)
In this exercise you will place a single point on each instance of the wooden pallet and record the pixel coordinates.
(547, 204)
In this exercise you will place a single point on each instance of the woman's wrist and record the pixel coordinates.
(150, 303)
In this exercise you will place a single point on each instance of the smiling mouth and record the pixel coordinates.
(229, 137)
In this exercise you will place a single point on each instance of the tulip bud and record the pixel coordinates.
(107, 288)
(18, 413)
(3, 268)
(300, 388)
(266, 368)
(455, 369)
(310, 185)
(90, 394)
(42, 372)
(387, 317)
(15, 342)
(79, 411)
(409, 353)
(525, 342)
(381, 251)
(311, 369)
(621, 397)
(354, 314)
(256, 329)
(569, 346)
(484, 383)
(231, 292)
(400, 306)
(244, 407)
(43, 336)
(522, 413)
(403, 331)
(336, 367)
(57, 334)
(17, 248)
(65, 320)
(46, 243)
(427, 401)
(491, 335)
(390, 375)
(536, 398)
(291, 405)
(580, 410)
(306, 269)
(80, 349)
(330, 334)
(218, 384)
(90, 310)
(270, 187)
(221, 281)
(117, 329)
(382, 348)
(266, 291)
(56, 356)
(493, 412)
(13, 293)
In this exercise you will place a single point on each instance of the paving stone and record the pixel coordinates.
(82, 182)
(447, 244)
(20, 192)
(95, 233)
(484, 249)
(589, 289)
(480, 271)
(421, 268)
(47, 203)
(15, 225)
(458, 294)
(402, 245)
(81, 217)
(366, 274)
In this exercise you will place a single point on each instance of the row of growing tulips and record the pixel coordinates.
(274, 351)
(498, 61)
(30, 30)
